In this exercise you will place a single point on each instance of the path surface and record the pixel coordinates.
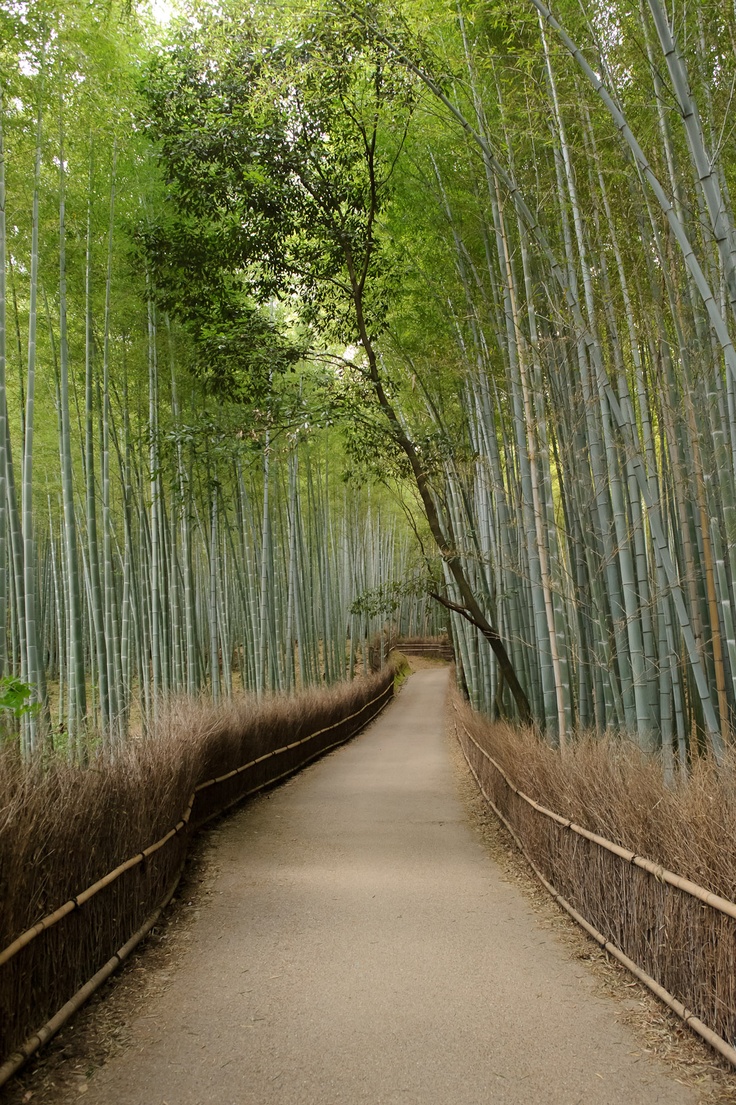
(362, 947)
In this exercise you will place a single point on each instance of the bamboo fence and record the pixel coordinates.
(51, 968)
(676, 937)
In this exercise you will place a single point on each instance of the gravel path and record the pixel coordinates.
(361, 947)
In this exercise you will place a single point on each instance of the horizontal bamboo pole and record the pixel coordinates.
(288, 747)
(293, 770)
(74, 903)
(716, 1042)
(84, 896)
(715, 901)
(44, 1034)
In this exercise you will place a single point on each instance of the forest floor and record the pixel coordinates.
(364, 934)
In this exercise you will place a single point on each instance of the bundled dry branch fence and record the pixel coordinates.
(674, 935)
(110, 861)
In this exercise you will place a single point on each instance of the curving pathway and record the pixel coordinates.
(362, 947)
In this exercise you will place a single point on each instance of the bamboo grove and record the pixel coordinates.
(592, 314)
(154, 538)
(507, 233)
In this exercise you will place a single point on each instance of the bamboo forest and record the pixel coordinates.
(367, 370)
(315, 322)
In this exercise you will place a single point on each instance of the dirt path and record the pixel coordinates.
(360, 947)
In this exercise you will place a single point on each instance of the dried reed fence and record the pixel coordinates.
(89, 857)
(676, 935)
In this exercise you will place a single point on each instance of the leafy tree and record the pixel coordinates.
(282, 144)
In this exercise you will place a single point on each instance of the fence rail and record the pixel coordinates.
(681, 926)
(440, 647)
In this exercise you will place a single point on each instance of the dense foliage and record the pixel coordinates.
(482, 255)
(172, 516)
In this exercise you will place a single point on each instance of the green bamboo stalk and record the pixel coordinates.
(154, 581)
(3, 427)
(93, 561)
(32, 667)
(77, 692)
